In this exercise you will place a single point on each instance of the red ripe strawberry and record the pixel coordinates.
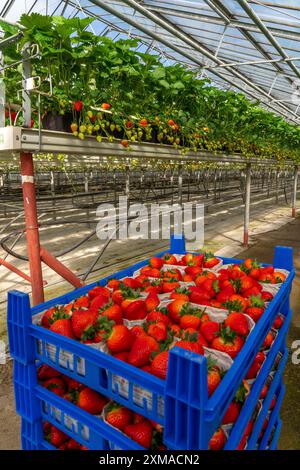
(129, 124)
(218, 440)
(143, 123)
(209, 330)
(173, 274)
(140, 433)
(237, 303)
(119, 339)
(246, 283)
(46, 372)
(151, 272)
(169, 259)
(136, 310)
(137, 418)
(158, 331)
(266, 296)
(238, 323)
(105, 106)
(232, 413)
(159, 365)
(264, 392)
(141, 351)
(113, 284)
(78, 105)
(174, 309)
(213, 376)
(190, 346)
(193, 271)
(175, 330)
(98, 302)
(73, 384)
(71, 444)
(273, 403)
(228, 341)
(52, 315)
(254, 291)
(113, 313)
(198, 295)
(225, 294)
(99, 290)
(152, 301)
(278, 322)
(189, 321)
(118, 416)
(138, 330)
(91, 401)
(156, 263)
(253, 370)
(131, 282)
(146, 368)
(122, 356)
(125, 143)
(255, 313)
(56, 437)
(82, 321)
(82, 302)
(210, 261)
(63, 327)
(157, 316)
(55, 385)
(260, 357)
(268, 341)
(201, 340)
(169, 286)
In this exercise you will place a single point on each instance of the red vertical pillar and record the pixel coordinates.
(32, 231)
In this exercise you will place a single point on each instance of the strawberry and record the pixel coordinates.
(55, 385)
(123, 293)
(268, 341)
(152, 301)
(238, 323)
(189, 321)
(105, 106)
(175, 330)
(138, 330)
(236, 303)
(260, 357)
(129, 124)
(190, 346)
(122, 356)
(253, 370)
(224, 295)
(232, 413)
(267, 296)
(209, 330)
(125, 143)
(278, 322)
(98, 302)
(151, 272)
(193, 271)
(175, 308)
(83, 321)
(113, 284)
(279, 277)
(169, 259)
(159, 365)
(99, 290)
(169, 286)
(113, 313)
(136, 310)
(52, 315)
(158, 331)
(78, 105)
(56, 437)
(91, 401)
(118, 416)
(82, 302)
(143, 123)
(228, 341)
(73, 384)
(157, 316)
(63, 327)
(131, 283)
(119, 339)
(249, 264)
(71, 444)
(156, 262)
(198, 295)
(141, 351)
(47, 372)
(173, 274)
(140, 433)
(210, 261)
(213, 376)
(201, 340)
(218, 440)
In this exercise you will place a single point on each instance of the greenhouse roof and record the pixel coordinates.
(250, 46)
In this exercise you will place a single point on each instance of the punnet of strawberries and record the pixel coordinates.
(182, 301)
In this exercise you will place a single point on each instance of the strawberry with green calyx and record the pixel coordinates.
(238, 323)
(169, 285)
(112, 312)
(209, 330)
(158, 331)
(82, 321)
(52, 315)
(210, 261)
(159, 365)
(249, 264)
(218, 440)
(118, 416)
(113, 284)
(98, 331)
(55, 436)
(87, 399)
(228, 341)
(141, 351)
(78, 105)
(158, 316)
(134, 309)
(98, 302)
(156, 262)
(169, 259)
(119, 338)
(81, 303)
(152, 302)
(180, 293)
(256, 307)
(236, 303)
(55, 385)
(99, 290)
(123, 293)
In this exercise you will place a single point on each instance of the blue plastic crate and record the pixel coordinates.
(188, 415)
(277, 430)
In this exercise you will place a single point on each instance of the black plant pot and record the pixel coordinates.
(57, 122)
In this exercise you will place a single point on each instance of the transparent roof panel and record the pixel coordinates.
(249, 46)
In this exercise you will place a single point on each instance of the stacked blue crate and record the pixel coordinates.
(180, 403)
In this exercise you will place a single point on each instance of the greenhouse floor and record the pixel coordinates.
(262, 249)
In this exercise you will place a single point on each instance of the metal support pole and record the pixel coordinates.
(294, 197)
(32, 230)
(180, 184)
(247, 205)
(127, 182)
(60, 268)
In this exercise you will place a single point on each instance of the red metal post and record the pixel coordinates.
(60, 268)
(15, 270)
(32, 230)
